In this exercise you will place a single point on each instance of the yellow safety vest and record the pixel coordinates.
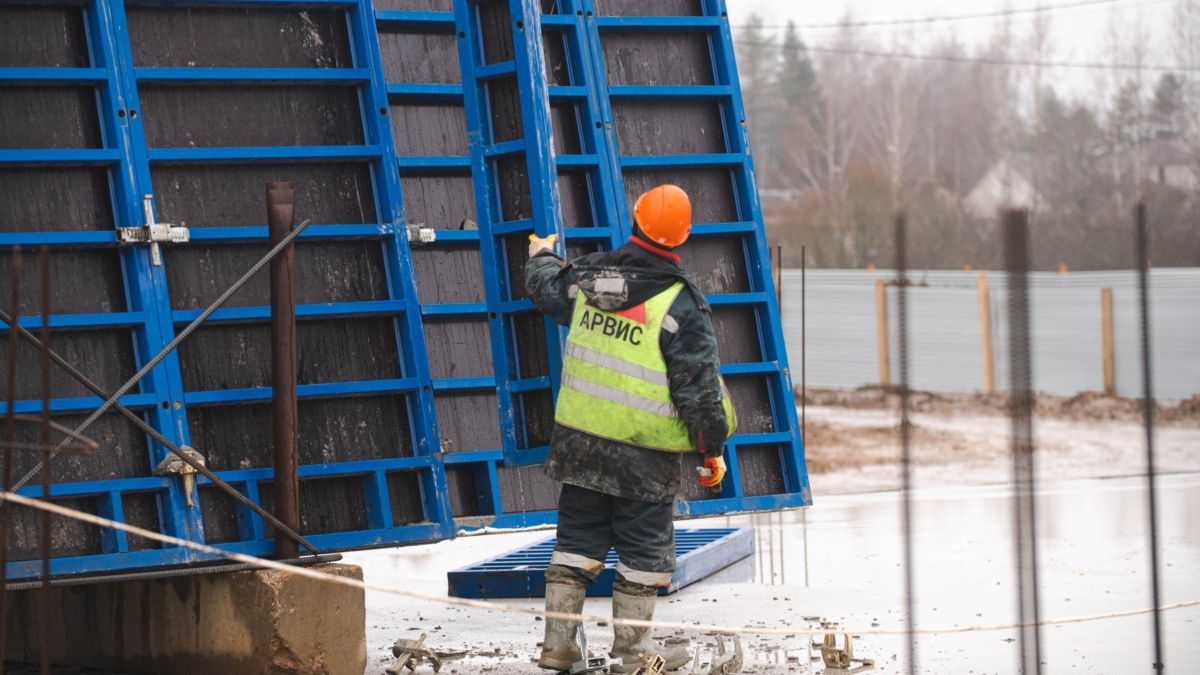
(614, 379)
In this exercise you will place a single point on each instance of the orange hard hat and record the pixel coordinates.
(664, 215)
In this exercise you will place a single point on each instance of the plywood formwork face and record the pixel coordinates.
(426, 376)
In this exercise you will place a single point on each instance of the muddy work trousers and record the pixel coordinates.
(590, 523)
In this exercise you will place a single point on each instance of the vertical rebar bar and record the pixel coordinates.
(10, 431)
(803, 392)
(1016, 254)
(1142, 245)
(280, 218)
(771, 546)
(44, 604)
(905, 437)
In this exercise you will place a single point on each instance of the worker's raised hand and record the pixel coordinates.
(713, 471)
(538, 244)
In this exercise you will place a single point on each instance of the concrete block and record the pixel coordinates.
(250, 622)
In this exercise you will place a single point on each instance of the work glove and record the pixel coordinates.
(713, 471)
(538, 244)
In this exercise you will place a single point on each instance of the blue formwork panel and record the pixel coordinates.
(522, 573)
(427, 377)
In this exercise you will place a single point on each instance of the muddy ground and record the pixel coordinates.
(1085, 407)
(852, 438)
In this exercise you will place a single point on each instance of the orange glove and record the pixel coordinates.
(713, 471)
(538, 244)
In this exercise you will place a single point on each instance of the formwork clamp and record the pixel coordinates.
(590, 664)
(842, 661)
(418, 234)
(153, 233)
(410, 653)
(721, 662)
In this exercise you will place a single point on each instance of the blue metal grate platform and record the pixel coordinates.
(522, 573)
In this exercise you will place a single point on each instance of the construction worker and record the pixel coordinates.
(640, 386)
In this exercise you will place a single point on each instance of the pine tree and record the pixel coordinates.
(758, 65)
(797, 77)
(1167, 109)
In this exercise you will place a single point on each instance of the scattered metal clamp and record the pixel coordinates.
(651, 665)
(842, 660)
(409, 654)
(589, 664)
(722, 663)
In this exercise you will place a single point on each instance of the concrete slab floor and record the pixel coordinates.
(1093, 555)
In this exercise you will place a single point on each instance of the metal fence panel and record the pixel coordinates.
(945, 330)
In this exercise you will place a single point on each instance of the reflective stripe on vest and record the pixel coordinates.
(614, 379)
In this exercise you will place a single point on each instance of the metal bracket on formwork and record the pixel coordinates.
(590, 664)
(418, 234)
(721, 662)
(409, 654)
(153, 233)
(173, 464)
(842, 661)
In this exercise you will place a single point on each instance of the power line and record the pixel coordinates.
(988, 61)
(932, 28)
(936, 19)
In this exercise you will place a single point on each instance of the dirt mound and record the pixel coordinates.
(830, 447)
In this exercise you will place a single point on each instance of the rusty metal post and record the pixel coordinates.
(44, 605)
(1142, 250)
(1021, 404)
(10, 432)
(280, 218)
(906, 512)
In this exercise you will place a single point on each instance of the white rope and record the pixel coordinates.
(497, 607)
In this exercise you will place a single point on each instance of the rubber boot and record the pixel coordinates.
(629, 643)
(560, 650)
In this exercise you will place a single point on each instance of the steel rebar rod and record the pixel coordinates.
(10, 430)
(803, 392)
(86, 446)
(158, 437)
(1016, 254)
(183, 335)
(44, 595)
(905, 437)
(1142, 244)
(172, 573)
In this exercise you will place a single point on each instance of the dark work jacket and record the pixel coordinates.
(608, 466)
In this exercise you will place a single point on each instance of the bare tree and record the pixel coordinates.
(1185, 43)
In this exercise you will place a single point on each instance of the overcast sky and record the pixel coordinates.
(1076, 34)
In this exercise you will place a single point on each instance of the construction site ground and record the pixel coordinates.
(1093, 555)
(840, 560)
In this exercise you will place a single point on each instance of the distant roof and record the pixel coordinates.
(1003, 185)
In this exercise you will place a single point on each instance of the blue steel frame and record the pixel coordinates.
(152, 323)
(749, 228)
